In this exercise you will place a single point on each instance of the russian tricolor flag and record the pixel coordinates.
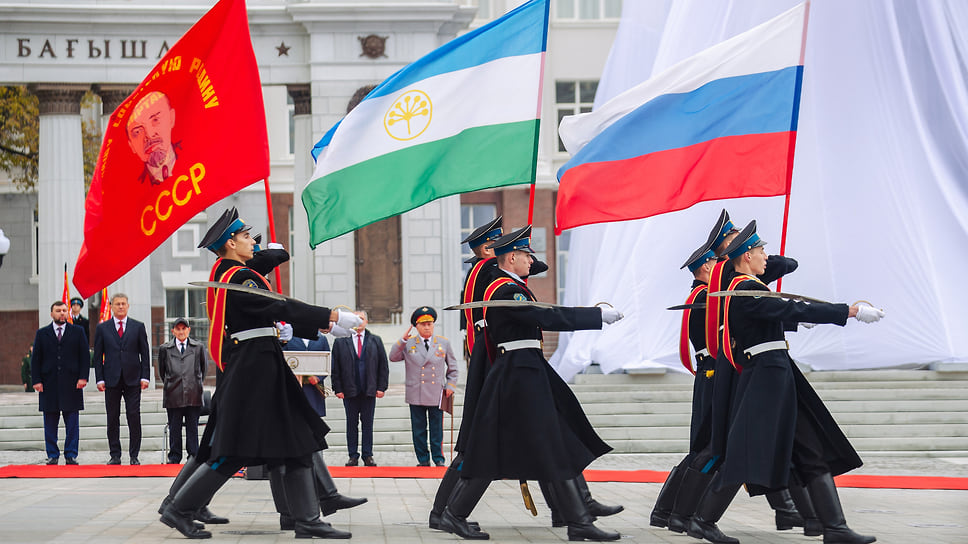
(720, 124)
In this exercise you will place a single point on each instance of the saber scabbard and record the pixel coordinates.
(528, 500)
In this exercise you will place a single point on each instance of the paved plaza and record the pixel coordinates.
(115, 510)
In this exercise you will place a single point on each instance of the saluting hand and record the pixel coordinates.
(407, 335)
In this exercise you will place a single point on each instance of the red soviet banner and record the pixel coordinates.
(191, 134)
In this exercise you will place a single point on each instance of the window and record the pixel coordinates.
(573, 97)
(187, 303)
(588, 9)
(185, 241)
(562, 263)
(471, 217)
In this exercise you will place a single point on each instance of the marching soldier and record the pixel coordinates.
(525, 406)
(284, 431)
(779, 421)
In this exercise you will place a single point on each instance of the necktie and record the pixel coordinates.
(359, 346)
(181, 347)
(427, 343)
(60, 331)
(120, 328)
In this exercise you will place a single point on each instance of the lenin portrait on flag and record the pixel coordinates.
(149, 136)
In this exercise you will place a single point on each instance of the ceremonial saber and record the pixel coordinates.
(767, 294)
(693, 306)
(242, 289)
(502, 304)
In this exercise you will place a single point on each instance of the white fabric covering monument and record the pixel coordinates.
(879, 202)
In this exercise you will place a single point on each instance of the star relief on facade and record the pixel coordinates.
(373, 46)
(283, 49)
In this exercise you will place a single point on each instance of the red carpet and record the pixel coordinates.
(629, 476)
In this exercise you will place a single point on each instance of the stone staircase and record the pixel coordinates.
(884, 412)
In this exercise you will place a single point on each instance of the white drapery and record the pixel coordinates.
(879, 201)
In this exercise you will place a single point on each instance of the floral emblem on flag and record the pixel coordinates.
(409, 116)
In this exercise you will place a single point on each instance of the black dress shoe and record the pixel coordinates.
(205, 515)
(368, 461)
(134, 461)
(440, 463)
(71, 461)
(330, 505)
(52, 460)
(423, 464)
(353, 461)
(114, 461)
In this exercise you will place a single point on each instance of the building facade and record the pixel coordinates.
(314, 56)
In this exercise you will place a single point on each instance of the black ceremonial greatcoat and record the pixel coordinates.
(702, 387)
(771, 395)
(726, 378)
(480, 358)
(260, 411)
(528, 424)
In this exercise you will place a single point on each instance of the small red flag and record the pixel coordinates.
(105, 312)
(191, 134)
(66, 296)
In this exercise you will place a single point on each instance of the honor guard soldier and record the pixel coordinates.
(781, 431)
(77, 304)
(283, 431)
(525, 406)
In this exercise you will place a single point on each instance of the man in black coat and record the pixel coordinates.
(361, 374)
(181, 365)
(781, 430)
(60, 364)
(260, 415)
(525, 406)
(122, 364)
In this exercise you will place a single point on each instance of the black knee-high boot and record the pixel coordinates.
(556, 519)
(194, 494)
(444, 490)
(595, 508)
(278, 489)
(666, 499)
(567, 497)
(811, 523)
(694, 484)
(823, 493)
(711, 509)
(786, 514)
(203, 514)
(330, 499)
(304, 505)
(461, 503)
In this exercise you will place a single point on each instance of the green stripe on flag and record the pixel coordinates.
(477, 158)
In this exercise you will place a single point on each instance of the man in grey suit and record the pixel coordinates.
(181, 366)
(121, 363)
(60, 365)
(431, 376)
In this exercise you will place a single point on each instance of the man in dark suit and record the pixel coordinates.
(360, 374)
(60, 365)
(122, 363)
(181, 366)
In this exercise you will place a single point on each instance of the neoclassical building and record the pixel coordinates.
(314, 56)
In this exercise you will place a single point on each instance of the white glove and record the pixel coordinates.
(807, 325)
(348, 320)
(274, 245)
(285, 331)
(869, 314)
(611, 315)
(339, 332)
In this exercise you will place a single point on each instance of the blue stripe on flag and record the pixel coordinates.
(734, 106)
(521, 31)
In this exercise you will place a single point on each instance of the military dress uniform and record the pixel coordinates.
(778, 419)
(525, 406)
(260, 415)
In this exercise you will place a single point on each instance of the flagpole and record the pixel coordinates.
(793, 142)
(272, 230)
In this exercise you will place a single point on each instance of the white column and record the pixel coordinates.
(302, 264)
(60, 189)
(451, 271)
(137, 282)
